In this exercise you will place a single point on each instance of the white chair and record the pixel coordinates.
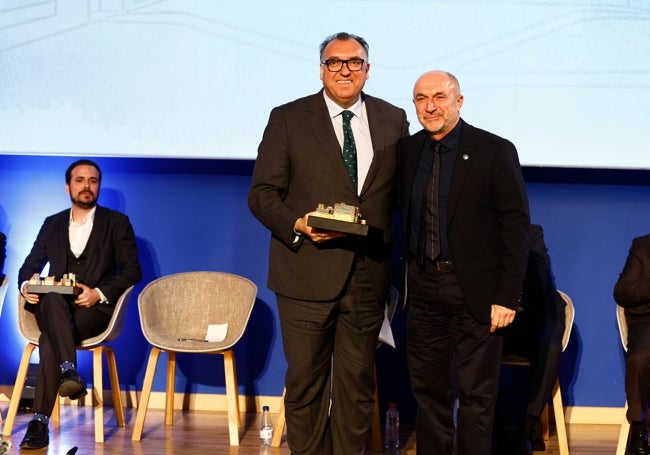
(375, 422)
(183, 305)
(98, 345)
(558, 409)
(625, 425)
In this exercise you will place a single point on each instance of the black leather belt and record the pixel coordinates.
(443, 266)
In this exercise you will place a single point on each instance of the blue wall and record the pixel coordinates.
(187, 215)
(192, 215)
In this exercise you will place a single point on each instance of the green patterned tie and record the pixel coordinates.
(349, 147)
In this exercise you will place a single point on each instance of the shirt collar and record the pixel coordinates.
(334, 109)
(90, 216)
(450, 141)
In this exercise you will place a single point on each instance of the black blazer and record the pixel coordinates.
(632, 290)
(488, 218)
(111, 251)
(300, 165)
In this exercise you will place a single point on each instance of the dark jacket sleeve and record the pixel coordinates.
(632, 290)
(124, 268)
(46, 247)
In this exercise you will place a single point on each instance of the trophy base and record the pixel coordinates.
(331, 224)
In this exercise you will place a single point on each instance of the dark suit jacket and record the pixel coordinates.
(488, 219)
(300, 165)
(632, 290)
(111, 251)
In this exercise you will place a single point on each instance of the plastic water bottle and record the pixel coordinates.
(392, 427)
(266, 427)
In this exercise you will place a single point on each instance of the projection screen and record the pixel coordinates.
(567, 81)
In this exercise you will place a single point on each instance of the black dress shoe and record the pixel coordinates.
(537, 444)
(638, 442)
(525, 448)
(71, 385)
(36, 436)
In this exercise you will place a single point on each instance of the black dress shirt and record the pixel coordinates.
(448, 151)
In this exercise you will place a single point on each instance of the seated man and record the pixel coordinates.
(632, 291)
(97, 245)
(536, 334)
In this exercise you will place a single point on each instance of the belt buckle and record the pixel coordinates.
(444, 266)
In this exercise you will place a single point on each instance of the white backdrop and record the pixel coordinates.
(567, 81)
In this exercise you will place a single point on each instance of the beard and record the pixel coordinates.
(84, 203)
(443, 128)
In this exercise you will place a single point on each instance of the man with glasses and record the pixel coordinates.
(335, 146)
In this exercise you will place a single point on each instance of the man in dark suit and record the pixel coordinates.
(632, 292)
(97, 245)
(330, 286)
(536, 334)
(466, 245)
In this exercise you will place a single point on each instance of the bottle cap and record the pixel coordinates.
(265, 408)
(392, 404)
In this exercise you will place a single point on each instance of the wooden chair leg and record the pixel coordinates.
(143, 403)
(21, 376)
(169, 388)
(232, 395)
(560, 424)
(623, 434)
(98, 394)
(115, 386)
(280, 424)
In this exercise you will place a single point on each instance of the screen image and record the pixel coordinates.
(568, 82)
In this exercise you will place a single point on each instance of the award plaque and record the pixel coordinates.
(340, 218)
(67, 285)
(58, 288)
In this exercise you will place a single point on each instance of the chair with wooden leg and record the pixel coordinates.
(558, 407)
(98, 345)
(175, 312)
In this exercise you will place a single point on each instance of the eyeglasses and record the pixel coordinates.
(335, 64)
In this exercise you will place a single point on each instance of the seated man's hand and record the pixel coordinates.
(30, 298)
(88, 297)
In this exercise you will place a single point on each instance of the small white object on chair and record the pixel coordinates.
(216, 332)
